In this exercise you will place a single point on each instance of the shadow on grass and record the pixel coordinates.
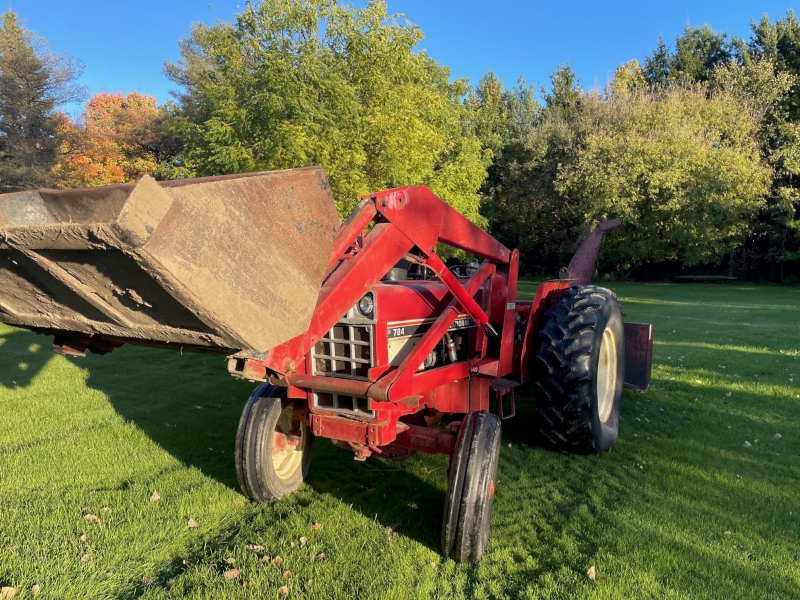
(386, 491)
(22, 356)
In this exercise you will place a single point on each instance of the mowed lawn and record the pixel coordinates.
(680, 508)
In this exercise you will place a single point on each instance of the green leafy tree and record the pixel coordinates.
(34, 82)
(296, 83)
(522, 204)
(681, 166)
(629, 78)
(762, 89)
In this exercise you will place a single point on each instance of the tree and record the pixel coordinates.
(657, 66)
(697, 52)
(34, 82)
(523, 207)
(292, 84)
(629, 78)
(121, 137)
(681, 166)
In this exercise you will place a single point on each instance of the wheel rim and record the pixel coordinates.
(606, 375)
(288, 446)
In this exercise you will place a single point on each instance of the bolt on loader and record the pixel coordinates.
(357, 331)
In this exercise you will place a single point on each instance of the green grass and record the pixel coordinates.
(679, 508)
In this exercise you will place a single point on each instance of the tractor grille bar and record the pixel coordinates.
(345, 351)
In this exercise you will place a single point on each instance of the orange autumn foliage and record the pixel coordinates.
(113, 144)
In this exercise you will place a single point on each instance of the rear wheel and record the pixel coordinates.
(471, 486)
(580, 372)
(273, 451)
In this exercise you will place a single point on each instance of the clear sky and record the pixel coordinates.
(124, 44)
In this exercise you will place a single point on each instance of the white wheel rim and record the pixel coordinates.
(287, 450)
(606, 375)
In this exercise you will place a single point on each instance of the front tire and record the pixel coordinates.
(580, 371)
(471, 486)
(273, 452)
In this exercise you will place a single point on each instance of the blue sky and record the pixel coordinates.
(124, 44)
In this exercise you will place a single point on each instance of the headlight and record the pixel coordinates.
(366, 306)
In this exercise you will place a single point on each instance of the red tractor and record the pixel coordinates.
(372, 347)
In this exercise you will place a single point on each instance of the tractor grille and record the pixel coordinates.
(345, 351)
(343, 404)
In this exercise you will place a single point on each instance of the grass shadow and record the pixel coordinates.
(183, 402)
(22, 355)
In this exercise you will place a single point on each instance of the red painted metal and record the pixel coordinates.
(546, 295)
(587, 249)
(509, 295)
(638, 355)
(351, 229)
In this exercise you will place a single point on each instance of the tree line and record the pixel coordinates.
(697, 147)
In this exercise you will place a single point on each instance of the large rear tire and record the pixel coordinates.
(580, 369)
(273, 452)
(471, 486)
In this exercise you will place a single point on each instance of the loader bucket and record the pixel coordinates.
(225, 263)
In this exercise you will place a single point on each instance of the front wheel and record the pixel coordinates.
(273, 451)
(471, 486)
(580, 371)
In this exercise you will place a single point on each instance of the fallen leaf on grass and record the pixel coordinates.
(739, 547)
(231, 574)
(318, 525)
(106, 509)
(591, 574)
(777, 436)
(86, 557)
(192, 524)
(727, 394)
(146, 581)
(321, 556)
(238, 503)
(155, 497)
(230, 561)
(728, 533)
(303, 542)
(254, 547)
(283, 590)
(91, 518)
(83, 538)
(7, 593)
(433, 565)
(265, 559)
(287, 574)
(747, 444)
(277, 560)
(35, 589)
(291, 544)
(244, 585)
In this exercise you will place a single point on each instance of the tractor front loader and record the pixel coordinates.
(357, 332)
